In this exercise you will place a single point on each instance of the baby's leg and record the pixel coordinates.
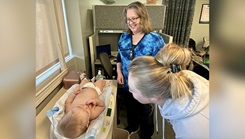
(83, 82)
(100, 84)
(83, 76)
(93, 79)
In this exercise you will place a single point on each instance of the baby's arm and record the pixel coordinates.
(98, 107)
(70, 100)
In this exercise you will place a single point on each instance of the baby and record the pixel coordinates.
(81, 107)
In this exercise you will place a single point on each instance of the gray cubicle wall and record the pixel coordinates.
(108, 21)
(108, 26)
(109, 17)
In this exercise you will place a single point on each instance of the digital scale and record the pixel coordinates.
(107, 126)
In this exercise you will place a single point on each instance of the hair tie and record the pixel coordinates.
(174, 68)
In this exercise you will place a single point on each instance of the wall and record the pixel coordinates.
(75, 32)
(86, 20)
(87, 25)
(80, 22)
(129, 1)
(198, 31)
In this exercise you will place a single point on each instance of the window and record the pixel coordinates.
(51, 46)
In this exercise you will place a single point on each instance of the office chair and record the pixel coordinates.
(167, 38)
(106, 64)
(205, 47)
(200, 69)
(192, 47)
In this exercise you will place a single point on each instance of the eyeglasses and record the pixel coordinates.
(132, 20)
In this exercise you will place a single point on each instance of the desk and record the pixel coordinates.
(112, 59)
(114, 53)
(95, 63)
(113, 62)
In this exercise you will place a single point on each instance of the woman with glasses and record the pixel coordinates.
(139, 40)
(181, 95)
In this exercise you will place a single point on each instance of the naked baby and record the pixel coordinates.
(81, 107)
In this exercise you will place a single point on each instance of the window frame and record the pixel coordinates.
(47, 81)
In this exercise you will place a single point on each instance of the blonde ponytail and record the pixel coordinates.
(165, 73)
(174, 54)
(179, 85)
(176, 59)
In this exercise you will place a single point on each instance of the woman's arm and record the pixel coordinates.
(120, 79)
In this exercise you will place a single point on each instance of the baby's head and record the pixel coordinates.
(75, 122)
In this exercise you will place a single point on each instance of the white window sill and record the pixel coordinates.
(49, 80)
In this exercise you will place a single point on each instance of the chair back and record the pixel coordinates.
(106, 64)
(201, 69)
(192, 44)
(167, 38)
(205, 43)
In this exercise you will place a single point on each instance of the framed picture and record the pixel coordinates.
(204, 16)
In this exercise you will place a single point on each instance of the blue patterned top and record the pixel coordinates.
(150, 44)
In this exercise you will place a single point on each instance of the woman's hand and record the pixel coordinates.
(120, 79)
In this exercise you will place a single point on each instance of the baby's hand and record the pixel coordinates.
(91, 101)
(77, 90)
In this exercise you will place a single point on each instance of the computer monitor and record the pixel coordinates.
(103, 48)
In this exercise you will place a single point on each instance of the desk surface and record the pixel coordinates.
(114, 53)
(113, 61)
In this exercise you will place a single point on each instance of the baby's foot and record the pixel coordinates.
(83, 76)
(93, 79)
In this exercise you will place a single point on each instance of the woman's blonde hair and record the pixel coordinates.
(174, 54)
(141, 10)
(72, 125)
(157, 73)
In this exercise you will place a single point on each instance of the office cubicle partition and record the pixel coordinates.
(108, 26)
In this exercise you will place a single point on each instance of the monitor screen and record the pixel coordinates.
(103, 48)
